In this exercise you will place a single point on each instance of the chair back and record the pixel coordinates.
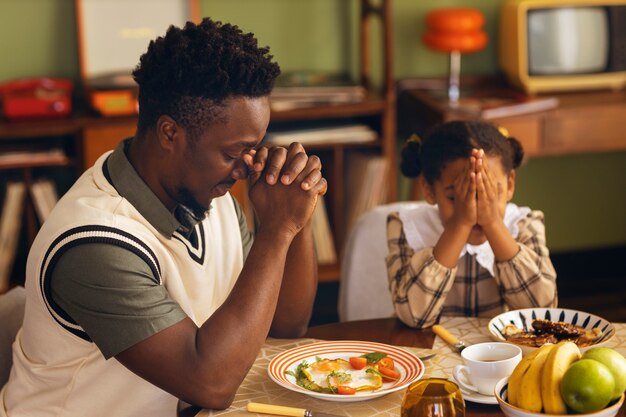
(12, 315)
(363, 288)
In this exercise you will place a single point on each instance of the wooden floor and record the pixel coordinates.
(593, 281)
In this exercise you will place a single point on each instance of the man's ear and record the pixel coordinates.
(167, 132)
(427, 191)
(510, 186)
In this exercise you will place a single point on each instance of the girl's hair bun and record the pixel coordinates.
(410, 163)
(518, 151)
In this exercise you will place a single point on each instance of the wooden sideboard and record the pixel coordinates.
(582, 122)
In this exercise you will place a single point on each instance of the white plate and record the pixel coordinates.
(476, 397)
(524, 317)
(411, 368)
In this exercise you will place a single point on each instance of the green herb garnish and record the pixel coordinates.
(374, 357)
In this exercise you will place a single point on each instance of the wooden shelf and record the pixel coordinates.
(366, 108)
(377, 110)
(39, 163)
(39, 128)
(92, 135)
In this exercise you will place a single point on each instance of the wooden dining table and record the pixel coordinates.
(259, 387)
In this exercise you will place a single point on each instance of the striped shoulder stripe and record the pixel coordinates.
(196, 253)
(85, 235)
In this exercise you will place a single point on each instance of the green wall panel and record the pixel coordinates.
(583, 198)
(37, 38)
(302, 34)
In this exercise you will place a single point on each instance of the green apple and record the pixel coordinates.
(616, 363)
(587, 386)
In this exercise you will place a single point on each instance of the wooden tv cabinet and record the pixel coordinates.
(582, 122)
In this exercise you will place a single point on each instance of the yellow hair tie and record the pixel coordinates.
(414, 139)
(503, 131)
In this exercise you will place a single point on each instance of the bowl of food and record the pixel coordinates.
(509, 410)
(531, 328)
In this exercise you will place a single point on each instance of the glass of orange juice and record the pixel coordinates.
(433, 397)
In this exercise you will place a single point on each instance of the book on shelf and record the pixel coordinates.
(49, 156)
(290, 103)
(366, 184)
(487, 102)
(311, 88)
(44, 197)
(313, 78)
(494, 104)
(352, 133)
(10, 225)
(322, 235)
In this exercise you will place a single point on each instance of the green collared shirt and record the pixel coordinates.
(110, 291)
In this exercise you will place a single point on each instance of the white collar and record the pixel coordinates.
(423, 227)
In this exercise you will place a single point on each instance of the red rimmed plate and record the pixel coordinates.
(410, 366)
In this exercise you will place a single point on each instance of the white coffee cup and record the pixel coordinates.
(485, 364)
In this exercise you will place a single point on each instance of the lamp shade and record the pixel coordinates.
(455, 30)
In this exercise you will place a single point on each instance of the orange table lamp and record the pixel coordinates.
(456, 31)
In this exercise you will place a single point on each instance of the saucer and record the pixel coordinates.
(476, 397)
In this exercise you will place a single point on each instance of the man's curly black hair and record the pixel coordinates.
(190, 72)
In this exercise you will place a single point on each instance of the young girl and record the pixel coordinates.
(470, 252)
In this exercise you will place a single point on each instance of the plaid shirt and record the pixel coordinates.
(422, 289)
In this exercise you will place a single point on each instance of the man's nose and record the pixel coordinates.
(241, 170)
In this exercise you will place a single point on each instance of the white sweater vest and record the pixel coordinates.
(57, 371)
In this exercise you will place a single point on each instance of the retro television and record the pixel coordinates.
(563, 45)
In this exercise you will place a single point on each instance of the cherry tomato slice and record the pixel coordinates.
(386, 362)
(344, 390)
(358, 362)
(389, 375)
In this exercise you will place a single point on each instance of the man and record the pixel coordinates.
(144, 285)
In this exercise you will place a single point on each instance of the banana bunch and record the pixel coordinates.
(535, 382)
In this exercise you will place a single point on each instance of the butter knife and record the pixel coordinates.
(456, 344)
(279, 410)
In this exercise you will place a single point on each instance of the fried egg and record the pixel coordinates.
(335, 372)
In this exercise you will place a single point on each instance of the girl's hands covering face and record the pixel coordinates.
(489, 191)
(472, 192)
(465, 195)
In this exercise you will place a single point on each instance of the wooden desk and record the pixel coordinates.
(583, 122)
(258, 385)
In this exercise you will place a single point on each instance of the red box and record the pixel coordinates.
(36, 98)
